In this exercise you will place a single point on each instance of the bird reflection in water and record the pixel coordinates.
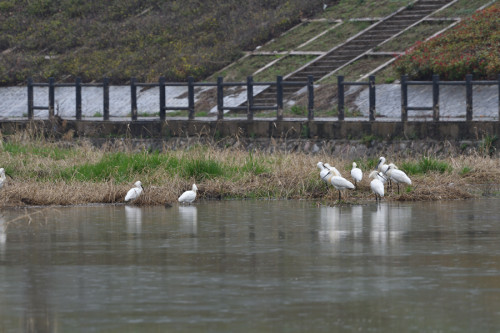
(389, 223)
(188, 216)
(333, 227)
(133, 216)
(3, 236)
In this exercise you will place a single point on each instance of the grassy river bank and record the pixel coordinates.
(48, 172)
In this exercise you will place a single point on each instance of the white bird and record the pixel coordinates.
(2, 177)
(324, 174)
(134, 192)
(377, 185)
(188, 196)
(381, 166)
(397, 176)
(333, 169)
(356, 174)
(340, 183)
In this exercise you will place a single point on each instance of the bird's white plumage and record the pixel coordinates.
(382, 167)
(333, 169)
(398, 176)
(134, 192)
(340, 183)
(376, 184)
(188, 196)
(356, 172)
(2, 177)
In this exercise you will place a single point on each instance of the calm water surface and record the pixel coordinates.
(252, 266)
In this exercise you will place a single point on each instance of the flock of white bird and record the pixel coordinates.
(187, 197)
(330, 175)
(381, 175)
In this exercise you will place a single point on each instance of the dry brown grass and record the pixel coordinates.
(287, 176)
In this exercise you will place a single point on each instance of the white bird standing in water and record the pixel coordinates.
(377, 185)
(340, 183)
(397, 176)
(188, 196)
(356, 174)
(2, 177)
(134, 192)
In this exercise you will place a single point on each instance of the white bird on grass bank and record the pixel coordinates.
(134, 192)
(333, 169)
(188, 196)
(397, 176)
(356, 174)
(377, 185)
(324, 173)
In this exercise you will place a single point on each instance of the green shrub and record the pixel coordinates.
(425, 165)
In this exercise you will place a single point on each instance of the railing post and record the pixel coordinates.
(250, 98)
(30, 99)
(498, 81)
(190, 98)
(78, 98)
(220, 98)
(468, 97)
(279, 97)
(105, 98)
(435, 97)
(310, 104)
(340, 97)
(404, 98)
(161, 85)
(51, 97)
(371, 82)
(133, 98)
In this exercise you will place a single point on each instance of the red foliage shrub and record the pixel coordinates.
(472, 47)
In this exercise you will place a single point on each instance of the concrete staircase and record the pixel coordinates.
(353, 48)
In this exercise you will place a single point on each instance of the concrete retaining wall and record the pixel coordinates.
(350, 139)
(291, 129)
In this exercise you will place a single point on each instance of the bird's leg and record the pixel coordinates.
(398, 188)
(339, 196)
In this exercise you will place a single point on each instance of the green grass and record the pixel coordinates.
(425, 165)
(408, 38)
(285, 66)
(462, 8)
(345, 9)
(245, 67)
(119, 166)
(358, 69)
(335, 36)
(297, 36)
(49, 152)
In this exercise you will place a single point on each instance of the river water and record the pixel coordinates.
(252, 266)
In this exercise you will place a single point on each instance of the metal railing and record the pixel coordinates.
(250, 106)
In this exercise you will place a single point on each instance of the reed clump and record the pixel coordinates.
(44, 172)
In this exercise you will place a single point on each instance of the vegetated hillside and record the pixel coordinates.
(473, 47)
(141, 38)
